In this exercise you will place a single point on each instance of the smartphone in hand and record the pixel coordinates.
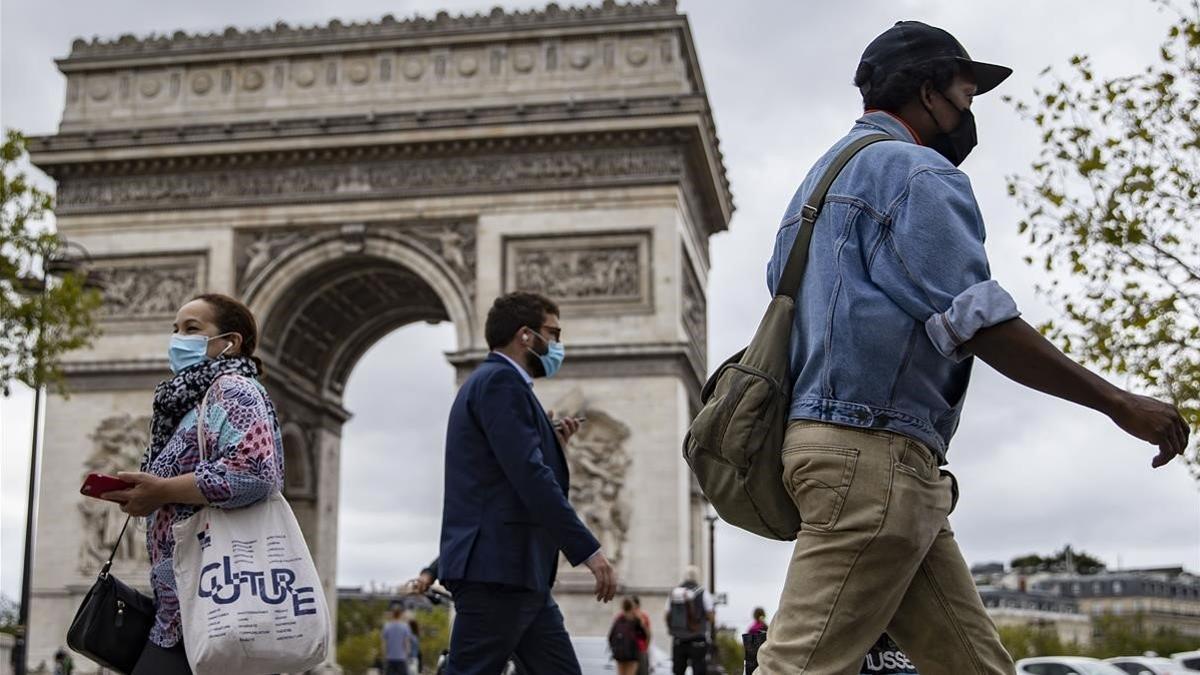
(97, 484)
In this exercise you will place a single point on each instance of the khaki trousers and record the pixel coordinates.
(875, 554)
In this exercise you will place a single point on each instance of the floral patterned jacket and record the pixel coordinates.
(245, 464)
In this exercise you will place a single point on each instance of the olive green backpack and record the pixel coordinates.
(735, 443)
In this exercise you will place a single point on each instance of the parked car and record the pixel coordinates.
(1147, 665)
(1188, 659)
(1066, 665)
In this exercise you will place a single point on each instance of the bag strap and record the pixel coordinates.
(200, 439)
(113, 553)
(797, 262)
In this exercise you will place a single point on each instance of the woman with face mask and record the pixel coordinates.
(211, 352)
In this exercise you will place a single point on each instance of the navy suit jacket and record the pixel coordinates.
(505, 515)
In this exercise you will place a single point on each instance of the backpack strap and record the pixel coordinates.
(797, 262)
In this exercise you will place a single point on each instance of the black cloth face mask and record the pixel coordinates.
(957, 143)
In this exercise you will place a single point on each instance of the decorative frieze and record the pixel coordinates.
(587, 273)
(398, 177)
(300, 79)
(148, 287)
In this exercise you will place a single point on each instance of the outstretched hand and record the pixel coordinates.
(606, 576)
(1156, 422)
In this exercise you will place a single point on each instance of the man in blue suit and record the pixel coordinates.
(506, 516)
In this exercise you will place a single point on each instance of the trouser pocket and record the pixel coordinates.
(818, 479)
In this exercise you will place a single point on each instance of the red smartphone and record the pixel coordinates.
(97, 484)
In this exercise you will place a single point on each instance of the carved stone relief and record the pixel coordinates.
(695, 309)
(599, 463)
(451, 242)
(262, 248)
(401, 177)
(454, 243)
(118, 445)
(148, 287)
(589, 272)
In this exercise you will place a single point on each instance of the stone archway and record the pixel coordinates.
(348, 179)
(325, 295)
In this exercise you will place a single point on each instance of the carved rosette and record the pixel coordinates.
(589, 273)
(118, 445)
(148, 287)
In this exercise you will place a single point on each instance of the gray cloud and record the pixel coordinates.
(1036, 473)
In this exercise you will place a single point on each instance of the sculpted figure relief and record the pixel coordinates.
(119, 443)
(599, 465)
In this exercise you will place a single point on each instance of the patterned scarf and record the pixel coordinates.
(176, 397)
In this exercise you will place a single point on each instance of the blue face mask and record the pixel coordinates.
(186, 351)
(552, 360)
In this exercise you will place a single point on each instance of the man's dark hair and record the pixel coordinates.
(510, 313)
(891, 90)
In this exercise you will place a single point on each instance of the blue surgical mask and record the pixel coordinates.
(186, 351)
(552, 360)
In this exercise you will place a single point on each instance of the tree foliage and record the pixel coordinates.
(1031, 640)
(1112, 206)
(360, 623)
(730, 652)
(36, 326)
(1124, 635)
(1112, 635)
(1064, 560)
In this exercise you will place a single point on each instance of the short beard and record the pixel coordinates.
(536, 369)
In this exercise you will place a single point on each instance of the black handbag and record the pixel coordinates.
(113, 622)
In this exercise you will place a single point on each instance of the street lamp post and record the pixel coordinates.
(714, 666)
(54, 263)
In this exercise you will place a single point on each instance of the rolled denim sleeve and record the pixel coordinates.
(930, 260)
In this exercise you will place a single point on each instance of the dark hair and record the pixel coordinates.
(627, 604)
(414, 627)
(510, 313)
(760, 613)
(636, 600)
(231, 316)
(891, 90)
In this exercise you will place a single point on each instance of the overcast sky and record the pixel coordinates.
(1036, 473)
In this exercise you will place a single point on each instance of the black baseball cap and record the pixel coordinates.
(911, 43)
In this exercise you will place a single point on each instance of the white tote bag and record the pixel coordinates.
(249, 597)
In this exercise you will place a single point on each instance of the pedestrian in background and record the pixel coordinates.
(625, 638)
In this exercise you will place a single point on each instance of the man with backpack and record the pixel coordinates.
(690, 619)
(896, 300)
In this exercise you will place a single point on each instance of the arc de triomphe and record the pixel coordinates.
(348, 179)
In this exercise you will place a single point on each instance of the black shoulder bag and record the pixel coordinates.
(113, 623)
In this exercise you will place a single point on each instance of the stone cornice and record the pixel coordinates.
(281, 34)
(72, 154)
(43, 147)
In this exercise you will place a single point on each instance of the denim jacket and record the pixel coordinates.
(897, 282)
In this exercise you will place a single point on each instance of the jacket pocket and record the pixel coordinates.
(819, 479)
